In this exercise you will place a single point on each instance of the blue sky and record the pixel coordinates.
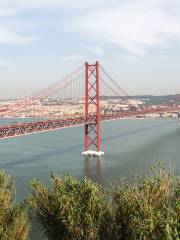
(137, 41)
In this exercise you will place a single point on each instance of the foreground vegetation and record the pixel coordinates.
(147, 209)
(14, 223)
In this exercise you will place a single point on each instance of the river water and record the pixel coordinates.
(131, 147)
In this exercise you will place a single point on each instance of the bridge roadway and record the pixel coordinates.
(43, 126)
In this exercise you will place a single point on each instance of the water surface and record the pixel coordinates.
(130, 146)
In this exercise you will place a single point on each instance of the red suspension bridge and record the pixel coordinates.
(86, 97)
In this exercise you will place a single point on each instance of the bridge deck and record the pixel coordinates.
(42, 126)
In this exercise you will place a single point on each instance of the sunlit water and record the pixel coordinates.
(130, 146)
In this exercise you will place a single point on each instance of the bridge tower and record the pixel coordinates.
(92, 111)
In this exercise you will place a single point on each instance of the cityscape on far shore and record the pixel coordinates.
(109, 105)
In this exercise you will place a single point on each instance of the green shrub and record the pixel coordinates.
(148, 209)
(70, 210)
(176, 204)
(14, 223)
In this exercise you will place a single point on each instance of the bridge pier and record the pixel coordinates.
(93, 153)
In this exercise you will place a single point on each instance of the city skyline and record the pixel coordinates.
(41, 41)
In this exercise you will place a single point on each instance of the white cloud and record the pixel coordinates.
(18, 5)
(95, 49)
(10, 19)
(13, 38)
(134, 25)
(6, 12)
(126, 58)
(72, 57)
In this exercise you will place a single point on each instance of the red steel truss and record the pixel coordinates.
(92, 129)
(23, 129)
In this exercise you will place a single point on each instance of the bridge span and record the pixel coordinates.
(86, 97)
(20, 129)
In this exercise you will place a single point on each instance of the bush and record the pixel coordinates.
(149, 208)
(14, 223)
(70, 210)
